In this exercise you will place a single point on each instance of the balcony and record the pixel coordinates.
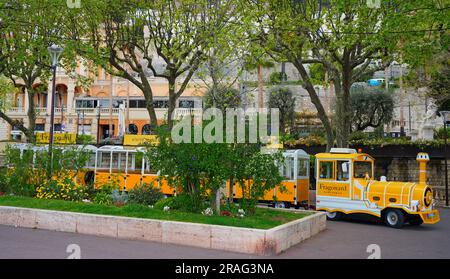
(93, 111)
(16, 110)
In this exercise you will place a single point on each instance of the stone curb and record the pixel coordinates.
(234, 239)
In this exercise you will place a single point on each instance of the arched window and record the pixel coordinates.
(132, 129)
(147, 129)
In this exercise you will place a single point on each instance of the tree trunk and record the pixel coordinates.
(260, 87)
(13, 122)
(31, 113)
(343, 109)
(217, 201)
(316, 101)
(150, 108)
(172, 103)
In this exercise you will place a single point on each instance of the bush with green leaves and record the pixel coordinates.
(202, 169)
(183, 202)
(119, 197)
(170, 202)
(29, 169)
(102, 198)
(62, 188)
(146, 194)
(4, 181)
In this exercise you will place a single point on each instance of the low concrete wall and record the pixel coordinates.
(235, 239)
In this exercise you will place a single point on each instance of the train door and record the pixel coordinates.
(333, 183)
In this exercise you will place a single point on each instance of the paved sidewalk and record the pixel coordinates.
(344, 239)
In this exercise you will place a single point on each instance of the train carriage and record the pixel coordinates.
(294, 190)
(127, 168)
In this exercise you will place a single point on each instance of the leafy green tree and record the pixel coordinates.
(28, 28)
(127, 40)
(370, 108)
(440, 87)
(222, 98)
(283, 99)
(202, 169)
(343, 36)
(277, 78)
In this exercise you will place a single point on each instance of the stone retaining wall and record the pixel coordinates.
(235, 239)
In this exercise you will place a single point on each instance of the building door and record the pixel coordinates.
(105, 131)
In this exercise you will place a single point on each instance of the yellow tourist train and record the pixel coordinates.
(345, 183)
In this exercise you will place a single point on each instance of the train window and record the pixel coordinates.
(288, 169)
(91, 162)
(138, 161)
(343, 170)
(118, 162)
(302, 168)
(363, 169)
(131, 163)
(326, 170)
(104, 159)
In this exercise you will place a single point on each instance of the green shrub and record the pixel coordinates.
(440, 133)
(61, 189)
(170, 202)
(4, 181)
(102, 198)
(182, 202)
(146, 194)
(358, 135)
(85, 139)
(119, 197)
(110, 186)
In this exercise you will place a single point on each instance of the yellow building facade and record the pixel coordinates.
(77, 109)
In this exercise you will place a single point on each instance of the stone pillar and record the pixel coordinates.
(26, 103)
(49, 105)
(70, 97)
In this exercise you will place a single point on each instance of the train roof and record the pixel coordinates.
(344, 153)
(300, 153)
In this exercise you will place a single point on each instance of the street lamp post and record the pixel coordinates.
(55, 52)
(445, 116)
(99, 108)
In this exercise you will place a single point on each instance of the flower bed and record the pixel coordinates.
(263, 218)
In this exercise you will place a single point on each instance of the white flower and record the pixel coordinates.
(86, 201)
(166, 208)
(241, 213)
(208, 212)
(150, 206)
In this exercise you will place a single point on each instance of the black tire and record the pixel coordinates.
(415, 221)
(334, 216)
(394, 218)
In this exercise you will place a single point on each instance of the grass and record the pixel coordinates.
(264, 218)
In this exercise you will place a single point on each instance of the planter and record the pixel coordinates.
(235, 239)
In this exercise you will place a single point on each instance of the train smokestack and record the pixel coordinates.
(422, 158)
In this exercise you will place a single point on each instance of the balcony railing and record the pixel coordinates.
(93, 111)
(181, 112)
(16, 110)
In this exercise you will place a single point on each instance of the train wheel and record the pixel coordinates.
(394, 218)
(334, 216)
(415, 221)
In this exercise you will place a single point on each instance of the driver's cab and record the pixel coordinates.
(343, 173)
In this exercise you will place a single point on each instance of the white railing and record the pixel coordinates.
(93, 111)
(180, 112)
(16, 110)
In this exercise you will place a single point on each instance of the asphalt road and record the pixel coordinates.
(343, 239)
